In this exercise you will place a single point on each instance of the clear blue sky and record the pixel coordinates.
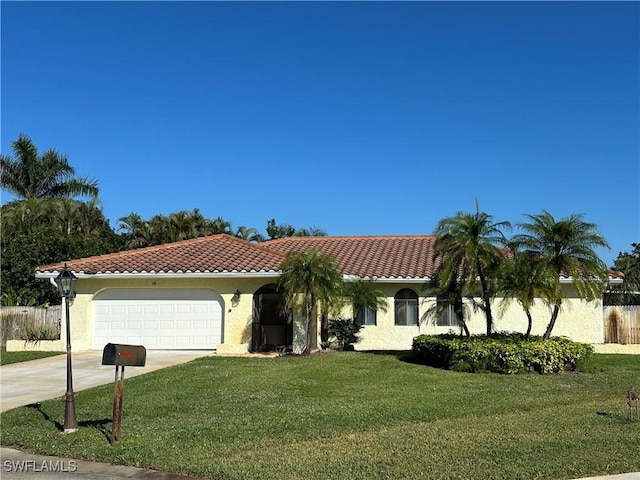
(361, 118)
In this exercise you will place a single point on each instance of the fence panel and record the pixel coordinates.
(622, 324)
(15, 320)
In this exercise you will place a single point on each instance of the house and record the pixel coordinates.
(220, 292)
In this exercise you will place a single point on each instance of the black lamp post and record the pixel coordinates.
(66, 282)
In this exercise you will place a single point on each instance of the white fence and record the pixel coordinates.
(16, 319)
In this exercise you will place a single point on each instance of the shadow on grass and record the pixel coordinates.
(618, 418)
(406, 356)
(99, 425)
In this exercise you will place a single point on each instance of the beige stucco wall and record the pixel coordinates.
(578, 320)
(236, 318)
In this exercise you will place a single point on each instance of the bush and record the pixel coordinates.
(501, 353)
(34, 332)
(346, 331)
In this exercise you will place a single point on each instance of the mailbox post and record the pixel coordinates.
(121, 356)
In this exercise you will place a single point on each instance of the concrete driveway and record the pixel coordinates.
(28, 382)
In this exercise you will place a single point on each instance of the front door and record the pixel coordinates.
(272, 328)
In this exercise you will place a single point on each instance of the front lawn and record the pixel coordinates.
(351, 415)
(14, 357)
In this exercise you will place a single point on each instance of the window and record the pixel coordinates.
(406, 307)
(366, 316)
(448, 317)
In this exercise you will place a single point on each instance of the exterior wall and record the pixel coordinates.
(578, 320)
(236, 318)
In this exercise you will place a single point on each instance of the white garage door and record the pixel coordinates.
(158, 318)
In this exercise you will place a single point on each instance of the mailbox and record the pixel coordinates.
(124, 355)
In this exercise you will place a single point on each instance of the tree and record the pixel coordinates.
(309, 278)
(284, 230)
(467, 247)
(23, 250)
(249, 234)
(363, 294)
(279, 231)
(450, 291)
(629, 292)
(524, 279)
(565, 247)
(49, 175)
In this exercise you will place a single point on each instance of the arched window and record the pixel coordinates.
(406, 307)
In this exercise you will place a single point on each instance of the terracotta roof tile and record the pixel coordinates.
(374, 257)
(380, 257)
(213, 254)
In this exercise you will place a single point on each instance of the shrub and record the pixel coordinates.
(34, 332)
(501, 353)
(346, 331)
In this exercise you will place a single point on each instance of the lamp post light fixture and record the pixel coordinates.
(66, 282)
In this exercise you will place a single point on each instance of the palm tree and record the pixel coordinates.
(524, 278)
(135, 230)
(565, 247)
(450, 292)
(25, 215)
(218, 225)
(90, 217)
(49, 175)
(249, 234)
(181, 226)
(467, 247)
(363, 294)
(309, 278)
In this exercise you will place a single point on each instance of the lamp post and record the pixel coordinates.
(66, 282)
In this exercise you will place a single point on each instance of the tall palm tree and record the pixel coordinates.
(524, 278)
(309, 278)
(566, 247)
(467, 246)
(30, 175)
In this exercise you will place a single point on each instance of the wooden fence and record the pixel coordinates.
(16, 319)
(622, 324)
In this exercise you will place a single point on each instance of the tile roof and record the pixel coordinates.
(379, 257)
(212, 254)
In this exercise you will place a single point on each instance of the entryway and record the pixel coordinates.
(272, 328)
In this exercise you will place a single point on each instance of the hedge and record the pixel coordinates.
(501, 353)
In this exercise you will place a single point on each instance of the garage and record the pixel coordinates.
(158, 319)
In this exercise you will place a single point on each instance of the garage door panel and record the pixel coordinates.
(166, 319)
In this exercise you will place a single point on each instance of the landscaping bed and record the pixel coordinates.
(502, 353)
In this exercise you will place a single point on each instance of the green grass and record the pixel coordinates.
(14, 357)
(350, 415)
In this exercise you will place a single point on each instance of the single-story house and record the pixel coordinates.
(220, 293)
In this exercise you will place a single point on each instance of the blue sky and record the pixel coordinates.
(361, 118)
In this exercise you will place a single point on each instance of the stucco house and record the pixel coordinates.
(219, 293)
